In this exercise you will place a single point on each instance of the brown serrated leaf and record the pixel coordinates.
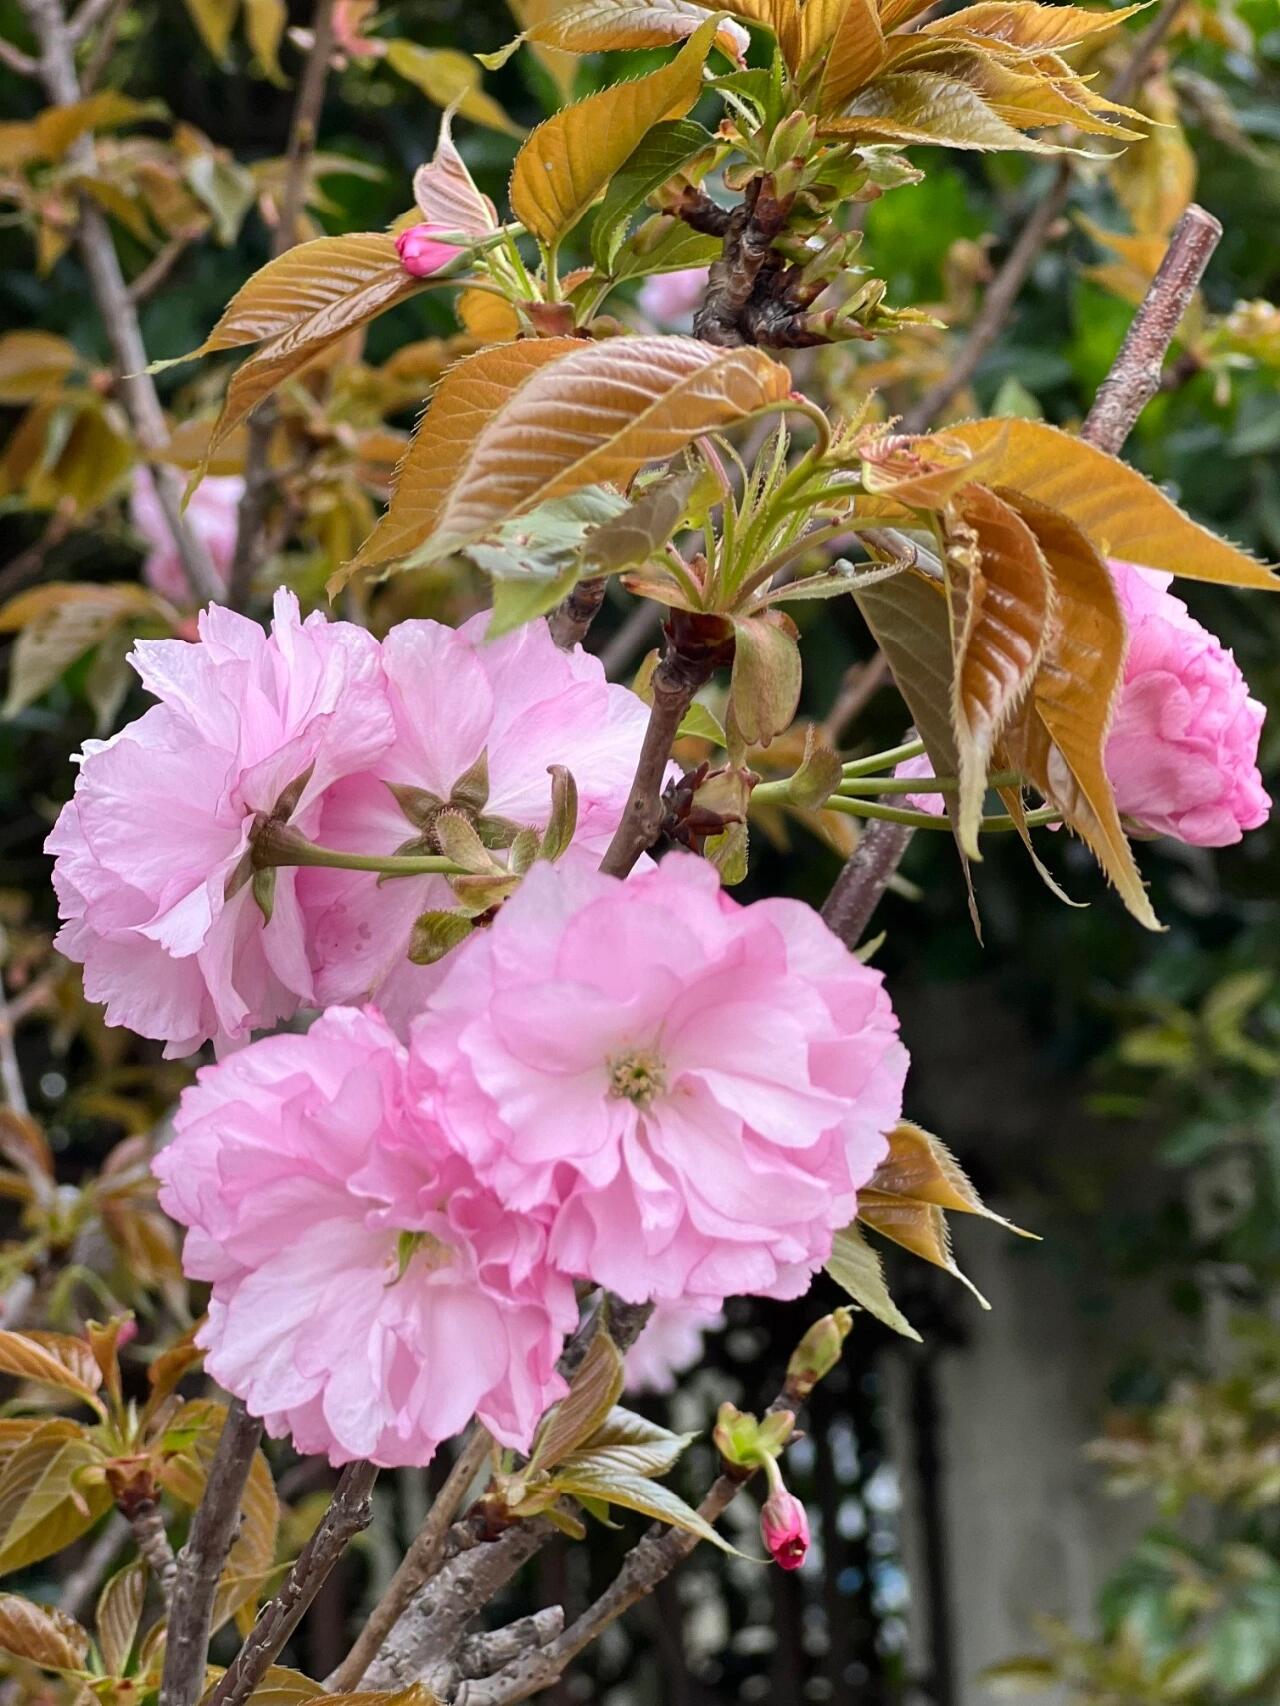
(1001, 602)
(1026, 23)
(1119, 510)
(849, 36)
(516, 425)
(53, 1359)
(921, 1167)
(45, 1502)
(446, 193)
(118, 1614)
(1059, 739)
(918, 1227)
(42, 1634)
(611, 26)
(925, 107)
(569, 160)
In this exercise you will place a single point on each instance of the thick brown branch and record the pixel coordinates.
(1005, 288)
(856, 892)
(571, 620)
(350, 1510)
(259, 480)
(111, 295)
(1134, 378)
(420, 1563)
(200, 1562)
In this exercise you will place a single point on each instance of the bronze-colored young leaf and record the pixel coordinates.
(45, 1502)
(315, 292)
(648, 1458)
(118, 1614)
(446, 193)
(923, 472)
(764, 688)
(1119, 510)
(516, 425)
(53, 1359)
(1059, 739)
(854, 1265)
(594, 1391)
(1000, 601)
(907, 617)
(609, 26)
(569, 160)
(1026, 23)
(921, 1168)
(849, 36)
(924, 107)
(918, 1227)
(450, 78)
(42, 1634)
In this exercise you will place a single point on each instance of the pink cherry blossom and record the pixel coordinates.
(524, 704)
(669, 298)
(784, 1528)
(1182, 754)
(421, 251)
(212, 514)
(922, 766)
(369, 1296)
(701, 1086)
(670, 1344)
(151, 868)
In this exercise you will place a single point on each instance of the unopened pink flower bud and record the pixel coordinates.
(421, 251)
(784, 1528)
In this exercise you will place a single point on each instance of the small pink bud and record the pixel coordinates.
(421, 252)
(784, 1528)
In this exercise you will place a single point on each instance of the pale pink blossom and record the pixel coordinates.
(670, 1345)
(784, 1528)
(1182, 753)
(151, 852)
(670, 298)
(369, 1296)
(701, 1086)
(212, 515)
(521, 702)
(922, 766)
(421, 251)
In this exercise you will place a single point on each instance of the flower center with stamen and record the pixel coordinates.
(636, 1076)
(435, 1253)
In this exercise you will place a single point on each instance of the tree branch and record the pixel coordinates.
(111, 295)
(153, 1543)
(419, 1565)
(350, 1510)
(570, 620)
(856, 892)
(201, 1560)
(259, 480)
(20, 63)
(1005, 288)
(1134, 378)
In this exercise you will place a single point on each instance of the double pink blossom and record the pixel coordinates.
(520, 703)
(1182, 753)
(152, 851)
(699, 1087)
(670, 1344)
(369, 1295)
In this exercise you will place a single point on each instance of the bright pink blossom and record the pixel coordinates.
(784, 1528)
(212, 514)
(421, 251)
(520, 701)
(669, 298)
(1182, 754)
(701, 1086)
(369, 1297)
(921, 766)
(151, 869)
(670, 1344)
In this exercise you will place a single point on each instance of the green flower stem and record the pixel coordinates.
(877, 761)
(276, 844)
(920, 784)
(777, 793)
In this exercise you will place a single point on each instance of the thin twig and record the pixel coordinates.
(259, 477)
(201, 1560)
(570, 621)
(157, 269)
(153, 1543)
(350, 1510)
(1004, 289)
(89, 15)
(20, 63)
(96, 64)
(420, 1563)
(865, 875)
(1134, 378)
(111, 295)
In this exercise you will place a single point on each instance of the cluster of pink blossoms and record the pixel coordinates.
(1182, 752)
(642, 1085)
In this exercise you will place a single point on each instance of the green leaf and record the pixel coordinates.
(43, 1505)
(855, 1266)
(450, 79)
(699, 722)
(634, 1492)
(58, 623)
(764, 688)
(595, 1390)
(118, 1614)
(563, 822)
(666, 150)
(663, 244)
(644, 527)
(436, 934)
